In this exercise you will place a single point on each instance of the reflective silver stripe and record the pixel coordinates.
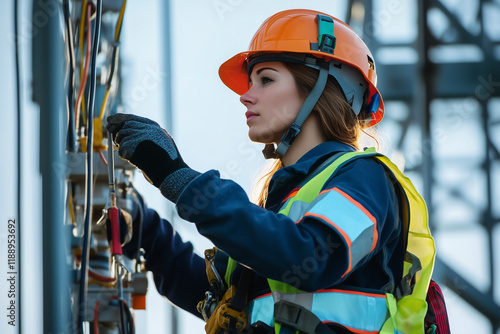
(354, 223)
(303, 299)
(364, 312)
(299, 208)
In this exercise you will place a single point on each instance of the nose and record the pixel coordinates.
(247, 98)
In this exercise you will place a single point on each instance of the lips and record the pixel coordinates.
(250, 115)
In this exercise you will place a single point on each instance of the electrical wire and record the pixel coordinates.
(99, 278)
(104, 102)
(119, 22)
(114, 59)
(121, 304)
(81, 32)
(70, 204)
(71, 136)
(127, 320)
(89, 173)
(103, 158)
(96, 317)
(19, 144)
(84, 72)
(129, 326)
(130, 318)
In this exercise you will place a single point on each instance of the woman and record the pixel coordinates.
(329, 255)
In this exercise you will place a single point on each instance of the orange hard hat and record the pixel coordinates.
(298, 31)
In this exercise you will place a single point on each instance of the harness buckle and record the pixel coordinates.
(231, 319)
(224, 319)
(288, 138)
(208, 305)
(218, 287)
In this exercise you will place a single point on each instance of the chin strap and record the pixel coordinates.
(311, 100)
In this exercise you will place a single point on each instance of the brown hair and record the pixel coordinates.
(340, 123)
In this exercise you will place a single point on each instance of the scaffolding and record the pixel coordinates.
(445, 94)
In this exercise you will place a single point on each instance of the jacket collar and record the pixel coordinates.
(287, 178)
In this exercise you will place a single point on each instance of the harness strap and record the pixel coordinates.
(293, 318)
(234, 311)
(405, 288)
(239, 299)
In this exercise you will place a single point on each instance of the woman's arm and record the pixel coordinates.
(312, 253)
(178, 272)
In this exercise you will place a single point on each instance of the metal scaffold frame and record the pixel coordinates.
(418, 85)
(89, 285)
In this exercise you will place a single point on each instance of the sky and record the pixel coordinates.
(205, 118)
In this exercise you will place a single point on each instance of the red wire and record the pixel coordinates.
(96, 317)
(95, 275)
(103, 158)
(101, 278)
(90, 6)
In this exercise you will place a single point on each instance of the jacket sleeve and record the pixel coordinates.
(178, 272)
(353, 220)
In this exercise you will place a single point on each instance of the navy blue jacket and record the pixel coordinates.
(311, 254)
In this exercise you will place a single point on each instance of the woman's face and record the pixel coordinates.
(273, 102)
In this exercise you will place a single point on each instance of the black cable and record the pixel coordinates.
(19, 149)
(114, 64)
(89, 172)
(71, 135)
(130, 318)
(122, 316)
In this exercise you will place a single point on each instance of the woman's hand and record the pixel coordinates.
(151, 149)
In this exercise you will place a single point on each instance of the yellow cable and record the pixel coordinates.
(70, 206)
(120, 19)
(104, 101)
(117, 37)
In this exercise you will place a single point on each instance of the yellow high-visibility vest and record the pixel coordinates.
(362, 312)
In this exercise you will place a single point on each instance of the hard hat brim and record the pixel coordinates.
(233, 73)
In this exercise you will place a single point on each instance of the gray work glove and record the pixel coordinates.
(151, 149)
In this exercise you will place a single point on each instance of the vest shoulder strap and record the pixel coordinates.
(313, 184)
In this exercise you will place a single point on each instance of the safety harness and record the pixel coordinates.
(288, 310)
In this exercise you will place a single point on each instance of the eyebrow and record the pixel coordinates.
(265, 68)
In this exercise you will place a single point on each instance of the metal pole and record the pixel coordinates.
(423, 101)
(48, 91)
(174, 313)
(167, 63)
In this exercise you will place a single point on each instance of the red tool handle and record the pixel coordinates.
(116, 247)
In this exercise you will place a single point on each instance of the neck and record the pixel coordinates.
(309, 137)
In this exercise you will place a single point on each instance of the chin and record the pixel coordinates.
(265, 135)
(262, 138)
